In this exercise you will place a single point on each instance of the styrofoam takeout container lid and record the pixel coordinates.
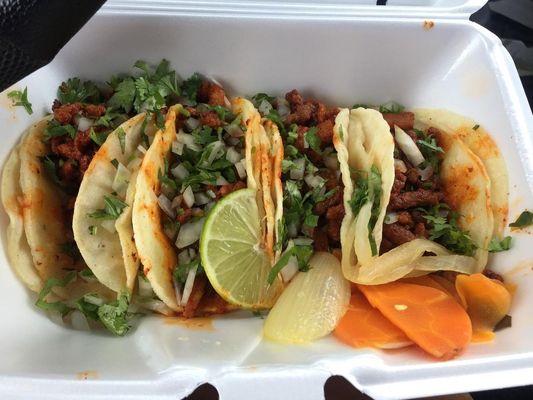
(341, 51)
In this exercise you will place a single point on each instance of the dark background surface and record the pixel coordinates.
(24, 48)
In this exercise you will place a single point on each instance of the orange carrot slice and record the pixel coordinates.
(486, 301)
(437, 282)
(429, 317)
(364, 326)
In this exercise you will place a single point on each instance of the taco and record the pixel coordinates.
(416, 200)
(306, 187)
(207, 150)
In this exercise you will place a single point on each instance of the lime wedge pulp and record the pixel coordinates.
(232, 254)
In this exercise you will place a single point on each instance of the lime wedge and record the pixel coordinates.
(232, 255)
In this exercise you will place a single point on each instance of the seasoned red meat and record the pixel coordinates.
(325, 131)
(417, 198)
(404, 120)
(397, 234)
(211, 94)
(198, 290)
(94, 110)
(320, 240)
(322, 207)
(211, 119)
(65, 113)
(404, 218)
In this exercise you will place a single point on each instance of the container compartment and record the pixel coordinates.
(342, 60)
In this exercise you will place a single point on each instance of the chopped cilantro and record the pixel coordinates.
(361, 105)
(49, 285)
(20, 99)
(475, 127)
(92, 230)
(259, 97)
(115, 162)
(121, 138)
(312, 138)
(190, 87)
(447, 233)
(74, 90)
(50, 168)
(302, 253)
(113, 207)
(496, 245)
(391, 107)
(54, 129)
(115, 316)
(98, 137)
(182, 271)
(523, 220)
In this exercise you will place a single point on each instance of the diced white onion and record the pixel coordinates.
(233, 140)
(179, 171)
(166, 205)
(121, 180)
(400, 166)
(188, 140)
(78, 321)
(292, 230)
(192, 253)
(289, 270)
(298, 170)
(391, 217)
(188, 197)
(93, 299)
(211, 194)
(189, 233)
(313, 180)
(283, 107)
(233, 156)
(145, 289)
(192, 123)
(241, 169)
(201, 198)
(221, 181)
(187, 289)
(109, 225)
(141, 149)
(425, 173)
(408, 146)
(265, 107)
(84, 123)
(177, 148)
(184, 257)
(216, 151)
(176, 201)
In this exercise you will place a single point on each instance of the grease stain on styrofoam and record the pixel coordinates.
(198, 324)
(86, 375)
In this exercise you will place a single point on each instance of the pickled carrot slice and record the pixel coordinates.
(430, 317)
(365, 326)
(486, 301)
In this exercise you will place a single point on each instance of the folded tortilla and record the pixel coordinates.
(363, 140)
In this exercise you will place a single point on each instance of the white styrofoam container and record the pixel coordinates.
(343, 53)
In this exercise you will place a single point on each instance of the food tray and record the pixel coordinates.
(343, 52)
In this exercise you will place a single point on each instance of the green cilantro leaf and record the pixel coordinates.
(113, 207)
(391, 107)
(54, 129)
(475, 127)
(523, 220)
(302, 253)
(98, 137)
(74, 90)
(121, 139)
(20, 99)
(190, 87)
(124, 95)
(92, 230)
(50, 168)
(182, 271)
(49, 285)
(496, 245)
(448, 234)
(115, 316)
(313, 139)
